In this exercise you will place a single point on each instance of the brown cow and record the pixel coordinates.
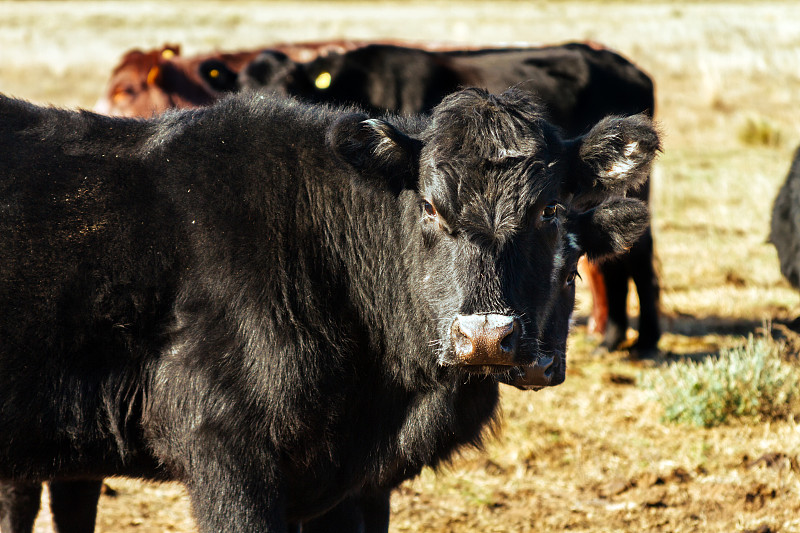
(148, 83)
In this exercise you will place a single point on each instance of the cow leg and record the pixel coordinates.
(346, 517)
(74, 505)
(227, 496)
(19, 505)
(225, 508)
(615, 276)
(647, 288)
(365, 513)
(376, 511)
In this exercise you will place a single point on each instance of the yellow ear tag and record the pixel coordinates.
(214, 73)
(323, 81)
(167, 53)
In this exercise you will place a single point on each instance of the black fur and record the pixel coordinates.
(785, 231)
(249, 300)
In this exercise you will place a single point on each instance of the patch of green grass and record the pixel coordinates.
(760, 131)
(751, 382)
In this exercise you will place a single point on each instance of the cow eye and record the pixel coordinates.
(550, 212)
(572, 276)
(430, 211)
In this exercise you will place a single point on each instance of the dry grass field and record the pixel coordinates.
(591, 455)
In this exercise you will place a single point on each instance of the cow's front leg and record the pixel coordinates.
(362, 513)
(19, 505)
(225, 498)
(74, 504)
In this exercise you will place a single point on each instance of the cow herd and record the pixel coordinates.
(292, 278)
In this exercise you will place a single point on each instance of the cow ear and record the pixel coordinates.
(616, 155)
(610, 228)
(155, 76)
(218, 75)
(377, 150)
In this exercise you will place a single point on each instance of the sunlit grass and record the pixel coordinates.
(760, 131)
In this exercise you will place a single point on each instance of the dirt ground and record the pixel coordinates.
(591, 455)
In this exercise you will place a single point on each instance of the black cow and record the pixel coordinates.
(74, 502)
(284, 307)
(368, 512)
(785, 231)
(578, 82)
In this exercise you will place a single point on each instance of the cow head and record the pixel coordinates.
(218, 75)
(600, 233)
(492, 199)
(272, 71)
(145, 84)
(339, 78)
(135, 87)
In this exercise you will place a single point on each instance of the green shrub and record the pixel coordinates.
(749, 382)
(760, 131)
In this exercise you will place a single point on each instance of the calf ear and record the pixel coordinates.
(616, 155)
(611, 228)
(377, 150)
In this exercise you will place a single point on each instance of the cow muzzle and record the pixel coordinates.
(486, 340)
(547, 371)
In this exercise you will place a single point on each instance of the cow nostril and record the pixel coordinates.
(546, 364)
(509, 336)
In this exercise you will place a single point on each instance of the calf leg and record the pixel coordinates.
(590, 272)
(19, 505)
(74, 505)
(615, 275)
(647, 288)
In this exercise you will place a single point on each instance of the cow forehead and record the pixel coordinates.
(474, 126)
(515, 183)
(490, 200)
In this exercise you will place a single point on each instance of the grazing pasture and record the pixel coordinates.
(592, 454)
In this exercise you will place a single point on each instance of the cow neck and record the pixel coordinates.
(383, 288)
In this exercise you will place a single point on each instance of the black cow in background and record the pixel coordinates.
(785, 230)
(283, 306)
(579, 84)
